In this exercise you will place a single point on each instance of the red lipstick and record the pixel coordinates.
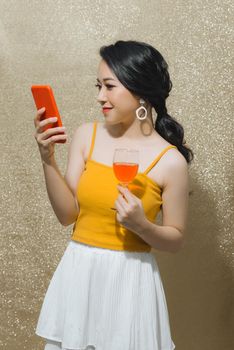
(106, 110)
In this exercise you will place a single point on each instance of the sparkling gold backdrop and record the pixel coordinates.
(56, 43)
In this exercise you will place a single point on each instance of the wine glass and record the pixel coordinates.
(125, 165)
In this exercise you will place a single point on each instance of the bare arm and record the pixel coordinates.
(61, 192)
(61, 197)
(170, 236)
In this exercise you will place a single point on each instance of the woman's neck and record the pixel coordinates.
(133, 129)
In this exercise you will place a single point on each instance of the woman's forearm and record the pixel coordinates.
(165, 238)
(60, 195)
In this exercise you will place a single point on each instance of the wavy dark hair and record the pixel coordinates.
(143, 71)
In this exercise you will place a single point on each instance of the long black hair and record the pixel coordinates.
(143, 71)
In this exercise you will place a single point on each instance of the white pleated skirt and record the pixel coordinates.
(107, 300)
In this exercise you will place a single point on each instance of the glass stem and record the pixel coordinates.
(124, 184)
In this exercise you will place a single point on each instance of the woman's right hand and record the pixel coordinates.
(46, 139)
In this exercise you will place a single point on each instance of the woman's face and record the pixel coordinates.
(113, 94)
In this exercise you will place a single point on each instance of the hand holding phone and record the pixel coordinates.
(44, 97)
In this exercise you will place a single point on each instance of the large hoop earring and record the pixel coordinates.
(140, 109)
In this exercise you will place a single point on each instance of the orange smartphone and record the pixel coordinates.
(44, 97)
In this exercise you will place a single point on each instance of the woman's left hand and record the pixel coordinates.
(130, 212)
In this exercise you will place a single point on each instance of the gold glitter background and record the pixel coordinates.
(56, 43)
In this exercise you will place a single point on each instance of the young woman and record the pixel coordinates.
(107, 293)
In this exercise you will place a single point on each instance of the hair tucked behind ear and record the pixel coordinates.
(143, 71)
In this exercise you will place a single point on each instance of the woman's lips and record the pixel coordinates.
(106, 110)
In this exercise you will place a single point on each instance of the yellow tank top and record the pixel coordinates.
(96, 224)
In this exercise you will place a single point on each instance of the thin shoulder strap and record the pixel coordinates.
(93, 139)
(158, 158)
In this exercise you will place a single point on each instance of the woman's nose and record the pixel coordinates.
(101, 96)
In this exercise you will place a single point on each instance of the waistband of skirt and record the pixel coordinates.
(89, 248)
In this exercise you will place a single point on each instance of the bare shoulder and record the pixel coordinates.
(83, 133)
(84, 128)
(175, 158)
(176, 168)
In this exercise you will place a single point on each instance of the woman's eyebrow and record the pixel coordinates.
(105, 79)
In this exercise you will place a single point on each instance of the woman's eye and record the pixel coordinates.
(108, 86)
